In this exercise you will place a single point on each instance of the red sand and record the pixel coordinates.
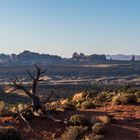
(126, 126)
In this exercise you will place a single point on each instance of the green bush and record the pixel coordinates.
(73, 133)
(78, 120)
(98, 128)
(9, 133)
(87, 105)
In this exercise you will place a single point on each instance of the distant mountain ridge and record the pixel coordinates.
(28, 57)
(122, 57)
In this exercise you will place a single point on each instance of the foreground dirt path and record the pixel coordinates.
(126, 126)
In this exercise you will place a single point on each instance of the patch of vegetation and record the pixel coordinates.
(106, 119)
(124, 99)
(98, 128)
(93, 120)
(105, 97)
(73, 133)
(137, 94)
(87, 105)
(94, 137)
(5, 109)
(9, 133)
(68, 106)
(79, 120)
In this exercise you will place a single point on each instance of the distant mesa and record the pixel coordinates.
(28, 58)
(82, 57)
(123, 57)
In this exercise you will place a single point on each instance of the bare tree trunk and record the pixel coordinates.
(36, 103)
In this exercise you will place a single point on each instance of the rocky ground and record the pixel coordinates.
(125, 127)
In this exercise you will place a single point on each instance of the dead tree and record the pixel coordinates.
(31, 93)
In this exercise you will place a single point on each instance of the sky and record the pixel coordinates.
(65, 26)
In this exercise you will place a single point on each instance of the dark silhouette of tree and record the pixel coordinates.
(31, 93)
(133, 58)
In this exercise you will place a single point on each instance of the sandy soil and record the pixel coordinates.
(126, 126)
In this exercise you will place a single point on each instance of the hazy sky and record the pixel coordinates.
(64, 26)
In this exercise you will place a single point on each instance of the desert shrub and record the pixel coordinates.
(138, 100)
(28, 114)
(2, 107)
(94, 137)
(129, 89)
(125, 98)
(68, 106)
(98, 128)
(87, 105)
(93, 120)
(104, 97)
(73, 133)
(137, 94)
(131, 98)
(78, 120)
(69, 98)
(10, 109)
(20, 107)
(80, 97)
(105, 119)
(78, 105)
(9, 133)
(13, 109)
(98, 137)
(119, 99)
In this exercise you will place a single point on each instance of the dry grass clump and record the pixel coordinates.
(104, 97)
(9, 133)
(87, 105)
(79, 97)
(131, 98)
(98, 128)
(124, 99)
(5, 109)
(118, 99)
(105, 119)
(138, 100)
(137, 94)
(94, 137)
(79, 120)
(10, 109)
(68, 106)
(73, 133)
(93, 120)
(2, 107)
